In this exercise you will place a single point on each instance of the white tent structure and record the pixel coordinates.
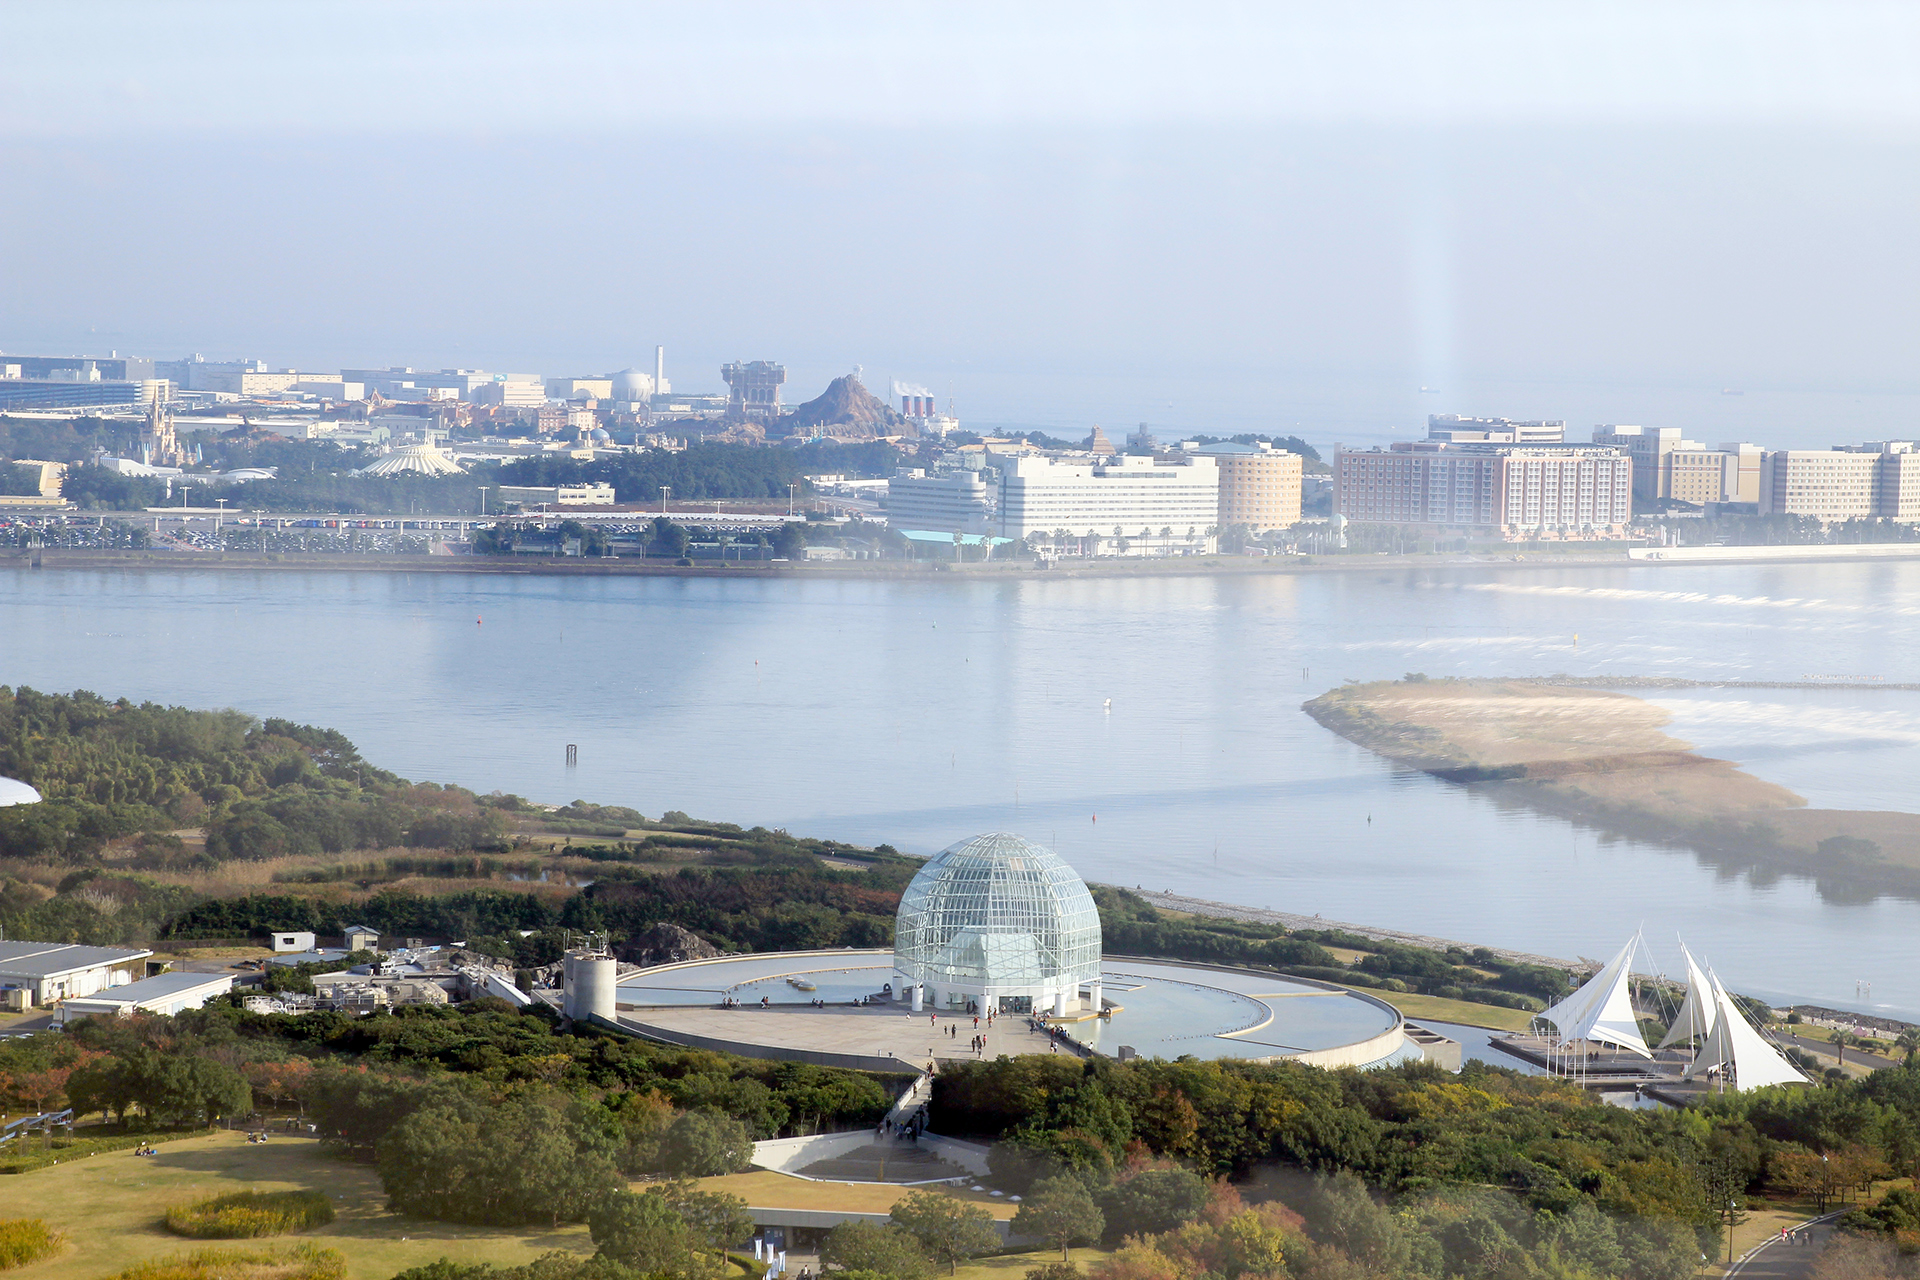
(1697, 1013)
(1737, 1051)
(14, 791)
(1601, 1011)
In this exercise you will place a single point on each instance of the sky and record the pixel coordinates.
(1328, 220)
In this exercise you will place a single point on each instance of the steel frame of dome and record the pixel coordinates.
(997, 922)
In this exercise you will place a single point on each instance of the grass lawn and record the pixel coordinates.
(110, 1208)
(1493, 1016)
(766, 1189)
(1012, 1266)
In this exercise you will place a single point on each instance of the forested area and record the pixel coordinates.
(707, 470)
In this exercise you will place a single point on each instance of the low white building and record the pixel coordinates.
(592, 494)
(165, 995)
(50, 971)
(293, 941)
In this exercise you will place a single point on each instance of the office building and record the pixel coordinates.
(1259, 485)
(1515, 491)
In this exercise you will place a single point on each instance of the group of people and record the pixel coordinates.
(147, 1149)
(1795, 1235)
(257, 1135)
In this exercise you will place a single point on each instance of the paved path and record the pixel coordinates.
(1287, 919)
(1772, 1259)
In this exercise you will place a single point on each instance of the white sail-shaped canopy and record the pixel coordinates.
(1601, 1011)
(1696, 1019)
(1734, 1044)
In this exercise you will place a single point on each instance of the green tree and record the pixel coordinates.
(1152, 1201)
(868, 1246)
(718, 1221)
(1061, 1212)
(947, 1228)
(702, 1143)
(526, 1160)
(645, 1233)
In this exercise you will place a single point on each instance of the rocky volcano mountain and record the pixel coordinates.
(846, 408)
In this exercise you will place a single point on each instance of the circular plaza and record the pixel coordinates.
(997, 951)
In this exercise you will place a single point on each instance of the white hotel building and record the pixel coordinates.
(1125, 505)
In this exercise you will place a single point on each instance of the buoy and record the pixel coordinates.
(476, 622)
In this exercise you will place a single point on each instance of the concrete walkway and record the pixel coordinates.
(879, 1030)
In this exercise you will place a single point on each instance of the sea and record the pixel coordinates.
(1148, 728)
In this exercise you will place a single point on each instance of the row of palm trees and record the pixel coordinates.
(1907, 1041)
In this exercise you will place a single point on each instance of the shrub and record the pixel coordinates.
(301, 1262)
(242, 1215)
(24, 1240)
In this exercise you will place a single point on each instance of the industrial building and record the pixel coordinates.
(1259, 484)
(1508, 490)
(43, 972)
(164, 994)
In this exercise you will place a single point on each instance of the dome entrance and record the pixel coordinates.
(998, 923)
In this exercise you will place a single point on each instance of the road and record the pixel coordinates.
(1773, 1259)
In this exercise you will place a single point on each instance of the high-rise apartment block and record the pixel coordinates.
(1514, 490)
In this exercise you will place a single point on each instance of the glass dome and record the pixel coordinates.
(998, 916)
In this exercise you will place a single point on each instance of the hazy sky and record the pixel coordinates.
(1197, 215)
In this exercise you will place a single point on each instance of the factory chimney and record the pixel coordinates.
(659, 370)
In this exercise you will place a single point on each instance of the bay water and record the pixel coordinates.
(1148, 728)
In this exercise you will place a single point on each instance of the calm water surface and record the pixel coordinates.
(918, 713)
